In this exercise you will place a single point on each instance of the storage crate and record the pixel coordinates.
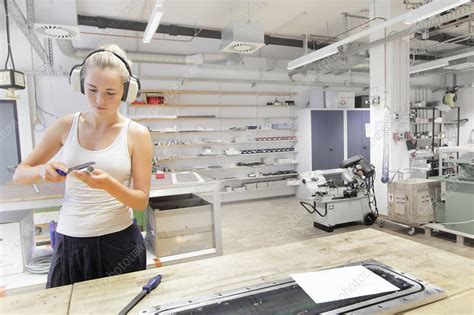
(262, 185)
(277, 183)
(179, 224)
(412, 201)
(250, 186)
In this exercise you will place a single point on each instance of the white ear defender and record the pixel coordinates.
(131, 88)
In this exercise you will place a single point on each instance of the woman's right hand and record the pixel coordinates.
(48, 172)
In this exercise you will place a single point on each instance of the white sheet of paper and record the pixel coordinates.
(342, 283)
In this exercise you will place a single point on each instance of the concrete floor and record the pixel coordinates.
(271, 222)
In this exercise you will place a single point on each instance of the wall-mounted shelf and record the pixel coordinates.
(188, 117)
(197, 169)
(260, 177)
(222, 155)
(436, 138)
(163, 106)
(223, 130)
(221, 143)
(213, 92)
(202, 117)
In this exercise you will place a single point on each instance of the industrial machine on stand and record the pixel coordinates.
(342, 195)
(455, 209)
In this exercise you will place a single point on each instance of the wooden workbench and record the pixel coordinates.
(453, 273)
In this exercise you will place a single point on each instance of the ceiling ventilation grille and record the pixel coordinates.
(56, 31)
(242, 38)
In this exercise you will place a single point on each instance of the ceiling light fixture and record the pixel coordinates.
(461, 67)
(431, 9)
(416, 15)
(430, 65)
(154, 21)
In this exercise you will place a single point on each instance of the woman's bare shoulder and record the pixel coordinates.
(62, 125)
(138, 130)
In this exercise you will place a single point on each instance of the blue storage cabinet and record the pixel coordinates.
(357, 142)
(328, 146)
(327, 139)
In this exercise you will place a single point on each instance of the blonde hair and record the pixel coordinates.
(105, 59)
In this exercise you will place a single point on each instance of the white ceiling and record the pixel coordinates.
(291, 18)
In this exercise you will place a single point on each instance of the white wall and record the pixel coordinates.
(55, 96)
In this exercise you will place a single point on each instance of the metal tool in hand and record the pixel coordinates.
(74, 168)
(147, 288)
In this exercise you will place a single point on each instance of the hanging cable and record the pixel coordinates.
(9, 49)
(40, 119)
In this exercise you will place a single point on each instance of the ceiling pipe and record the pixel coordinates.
(177, 30)
(354, 49)
(209, 60)
(67, 48)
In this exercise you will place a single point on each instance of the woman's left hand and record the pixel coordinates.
(97, 179)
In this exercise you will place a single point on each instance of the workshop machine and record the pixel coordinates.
(455, 210)
(343, 195)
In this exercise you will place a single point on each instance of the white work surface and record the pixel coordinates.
(20, 198)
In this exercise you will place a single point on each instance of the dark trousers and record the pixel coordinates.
(78, 259)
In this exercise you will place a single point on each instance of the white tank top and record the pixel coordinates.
(89, 211)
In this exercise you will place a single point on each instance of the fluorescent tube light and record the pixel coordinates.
(431, 9)
(153, 23)
(430, 65)
(316, 55)
(461, 67)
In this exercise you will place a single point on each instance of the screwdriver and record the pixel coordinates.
(147, 288)
(74, 168)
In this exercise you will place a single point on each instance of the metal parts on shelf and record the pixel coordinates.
(255, 151)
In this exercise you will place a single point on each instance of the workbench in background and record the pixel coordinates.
(453, 273)
(15, 198)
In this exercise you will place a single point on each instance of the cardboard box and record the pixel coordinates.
(412, 201)
(179, 224)
(283, 161)
(17, 241)
(335, 99)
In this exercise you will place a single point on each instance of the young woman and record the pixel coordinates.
(95, 234)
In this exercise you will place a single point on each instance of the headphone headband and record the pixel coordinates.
(115, 54)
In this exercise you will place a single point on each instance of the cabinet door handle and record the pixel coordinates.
(331, 149)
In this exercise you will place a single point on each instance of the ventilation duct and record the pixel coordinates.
(56, 19)
(66, 47)
(242, 38)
